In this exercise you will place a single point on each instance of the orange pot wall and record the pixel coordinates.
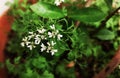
(5, 23)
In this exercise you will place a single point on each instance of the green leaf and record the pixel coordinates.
(103, 5)
(9, 66)
(46, 74)
(105, 34)
(109, 3)
(71, 55)
(29, 72)
(39, 63)
(88, 52)
(47, 10)
(87, 15)
(17, 60)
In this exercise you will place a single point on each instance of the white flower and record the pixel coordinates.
(31, 46)
(53, 51)
(41, 31)
(59, 36)
(48, 43)
(52, 27)
(25, 42)
(43, 47)
(37, 39)
(43, 37)
(50, 34)
(53, 43)
(25, 39)
(22, 44)
(55, 32)
(31, 35)
(49, 47)
(58, 2)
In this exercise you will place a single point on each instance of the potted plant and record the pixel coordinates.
(61, 39)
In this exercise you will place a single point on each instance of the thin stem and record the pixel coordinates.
(103, 23)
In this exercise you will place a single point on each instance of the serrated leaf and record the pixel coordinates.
(9, 66)
(105, 34)
(88, 52)
(71, 55)
(29, 72)
(87, 15)
(39, 62)
(47, 74)
(47, 10)
(17, 60)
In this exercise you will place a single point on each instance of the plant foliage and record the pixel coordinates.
(61, 39)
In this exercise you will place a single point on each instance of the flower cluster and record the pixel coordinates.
(43, 38)
(58, 2)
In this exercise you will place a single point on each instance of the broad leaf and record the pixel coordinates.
(87, 15)
(47, 10)
(105, 34)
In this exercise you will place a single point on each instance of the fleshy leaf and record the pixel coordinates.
(47, 10)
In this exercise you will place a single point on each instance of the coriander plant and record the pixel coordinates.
(62, 38)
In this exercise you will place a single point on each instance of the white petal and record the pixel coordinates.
(43, 30)
(53, 51)
(25, 39)
(30, 36)
(57, 2)
(39, 30)
(52, 27)
(22, 44)
(30, 33)
(50, 34)
(30, 47)
(48, 43)
(56, 32)
(43, 47)
(53, 43)
(37, 41)
(42, 36)
(27, 43)
(62, 0)
(59, 36)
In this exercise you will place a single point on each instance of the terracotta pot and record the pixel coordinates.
(5, 27)
(5, 23)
